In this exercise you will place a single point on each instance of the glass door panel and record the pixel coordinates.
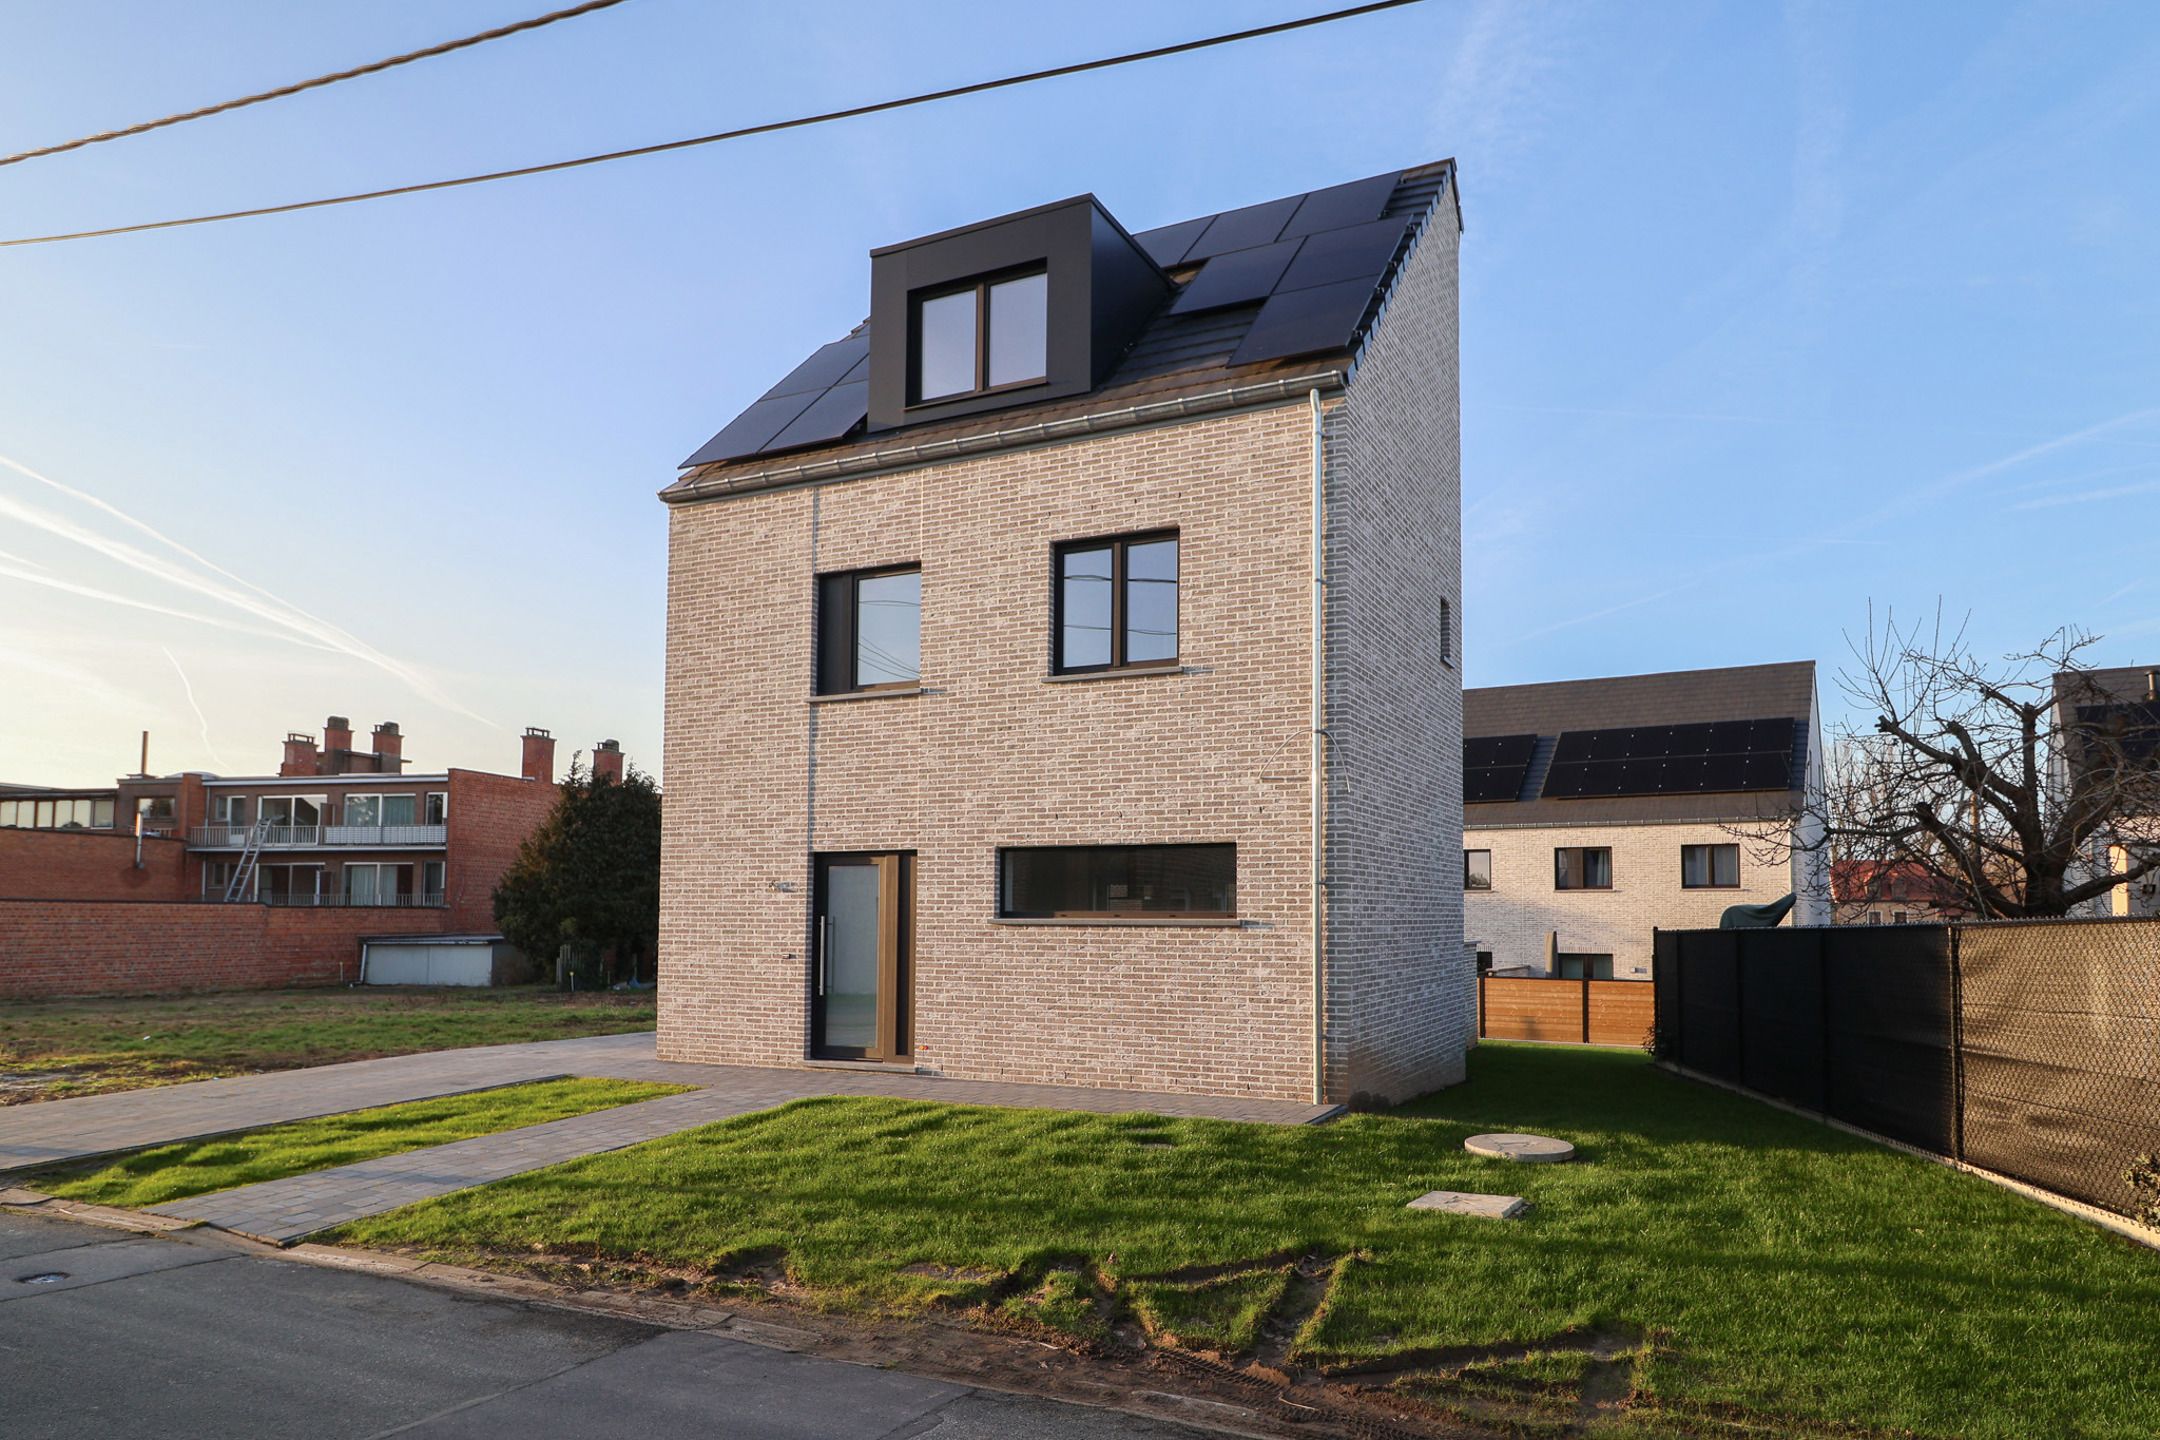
(858, 979)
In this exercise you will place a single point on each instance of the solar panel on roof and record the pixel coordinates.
(1243, 229)
(823, 369)
(830, 416)
(1299, 322)
(1166, 244)
(1341, 205)
(1238, 278)
(751, 430)
(1695, 758)
(1361, 252)
(1493, 784)
(1498, 750)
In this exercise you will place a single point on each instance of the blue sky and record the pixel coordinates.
(1768, 313)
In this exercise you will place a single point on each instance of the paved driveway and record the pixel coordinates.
(189, 1335)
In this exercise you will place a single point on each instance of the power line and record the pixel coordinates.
(768, 128)
(315, 84)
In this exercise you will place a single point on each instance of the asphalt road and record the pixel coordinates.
(112, 1335)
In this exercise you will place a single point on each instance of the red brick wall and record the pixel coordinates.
(89, 865)
(80, 947)
(490, 816)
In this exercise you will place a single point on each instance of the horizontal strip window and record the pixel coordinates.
(1710, 867)
(869, 630)
(1116, 603)
(85, 813)
(1118, 882)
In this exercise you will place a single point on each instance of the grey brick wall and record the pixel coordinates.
(1402, 1006)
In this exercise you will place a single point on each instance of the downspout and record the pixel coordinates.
(1319, 740)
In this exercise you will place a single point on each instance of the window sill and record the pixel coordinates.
(1121, 672)
(898, 692)
(1213, 922)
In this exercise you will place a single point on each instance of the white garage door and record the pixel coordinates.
(415, 962)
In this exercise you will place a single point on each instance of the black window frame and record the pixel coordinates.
(1005, 911)
(1466, 881)
(1587, 961)
(1714, 883)
(837, 627)
(981, 286)
(1118, 545)
(1560, 875)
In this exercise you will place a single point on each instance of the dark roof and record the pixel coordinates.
(1675, 697)
(1262, 290)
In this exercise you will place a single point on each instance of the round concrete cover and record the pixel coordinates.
(1529, 1149)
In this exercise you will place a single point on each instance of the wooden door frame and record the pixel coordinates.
(896, 950)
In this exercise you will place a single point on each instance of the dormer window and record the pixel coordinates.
(988, 334)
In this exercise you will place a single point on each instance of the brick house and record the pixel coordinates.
(1892, 892)
(1008, 733)
(340, 830)
(1600, 810)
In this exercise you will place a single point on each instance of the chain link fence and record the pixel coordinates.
(2030, 1048)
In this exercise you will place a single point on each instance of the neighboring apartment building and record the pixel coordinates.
(998, 682)
(2119, 709)
(1892, 892)
(335, 826)
(1598, 811)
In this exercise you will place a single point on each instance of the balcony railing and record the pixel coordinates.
(423, 900)
(305, 837)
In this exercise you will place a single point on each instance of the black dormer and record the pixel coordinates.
(1030, 306)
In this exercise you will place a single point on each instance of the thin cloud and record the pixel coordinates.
(187, 687)
(109, 597)
(2086, 497)
(260, 603)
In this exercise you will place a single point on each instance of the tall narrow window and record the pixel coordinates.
(1710, 867)
(869, 630)
(987, 334)
(1477, 869)
(438, 807)
(1582, 867)
(1117, 603)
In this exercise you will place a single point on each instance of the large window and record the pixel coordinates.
(1585, 967)
(79, 813)
(869, 630)
(1117, 603)
(363, 810)
(1119, 882)
(1582, 867)
(1477, 869)
(1710, 867)
(989, 334)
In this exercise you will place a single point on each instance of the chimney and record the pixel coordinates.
(300, 757)
(539, 755)
(389, 747)
(336, 734)
(607, 761)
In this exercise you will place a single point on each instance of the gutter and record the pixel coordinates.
(902, 457)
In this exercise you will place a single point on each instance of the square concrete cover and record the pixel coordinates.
(1464, 1202)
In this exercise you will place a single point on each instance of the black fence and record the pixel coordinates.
(2028, 1048)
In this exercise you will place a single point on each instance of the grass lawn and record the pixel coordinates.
(172, 1172)
(51, 1049)
(1751, 1267)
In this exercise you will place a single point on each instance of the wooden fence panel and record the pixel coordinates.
(1576, 1012)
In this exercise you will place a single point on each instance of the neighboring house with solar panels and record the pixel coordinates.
(1597, 811)
(1006, 735)
(2122, 705)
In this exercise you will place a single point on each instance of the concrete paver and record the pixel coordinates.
(285, 1210)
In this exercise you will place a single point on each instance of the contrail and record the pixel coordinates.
(53, 582)
(200, 719)
(21, 560)
(277, 611)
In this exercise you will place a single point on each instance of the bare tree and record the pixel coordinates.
(2009, 784)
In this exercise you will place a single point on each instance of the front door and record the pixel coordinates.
(860, 959)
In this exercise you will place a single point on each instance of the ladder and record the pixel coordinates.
(242, 884)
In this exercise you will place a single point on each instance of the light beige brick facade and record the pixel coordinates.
(1513, 919)
(993, 751)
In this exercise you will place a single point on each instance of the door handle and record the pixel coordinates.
(824, 931)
